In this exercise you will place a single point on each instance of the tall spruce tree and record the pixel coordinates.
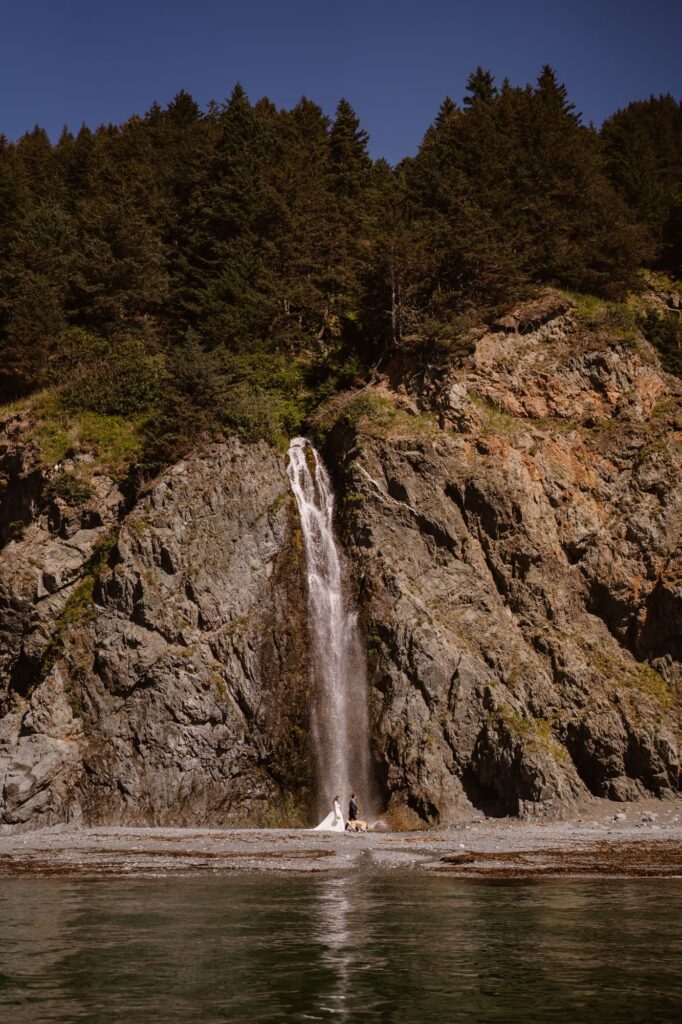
(480, 88)
(643, 145)
(349, 224)
(228, 269)
(35, 263)
(302, 177)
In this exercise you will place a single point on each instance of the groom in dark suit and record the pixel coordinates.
(352, 809)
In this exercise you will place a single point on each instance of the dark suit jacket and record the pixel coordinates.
(352, 811)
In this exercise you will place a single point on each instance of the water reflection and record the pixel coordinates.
(334, 938)
(373, 947)
(349, 936)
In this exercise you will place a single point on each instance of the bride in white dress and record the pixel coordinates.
(334, 821)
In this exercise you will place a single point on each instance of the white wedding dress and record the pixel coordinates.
(333, 822)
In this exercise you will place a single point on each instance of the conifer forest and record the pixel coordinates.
(207, 272)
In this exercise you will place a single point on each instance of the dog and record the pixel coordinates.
(357, 826)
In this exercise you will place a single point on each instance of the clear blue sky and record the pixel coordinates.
(73, 61)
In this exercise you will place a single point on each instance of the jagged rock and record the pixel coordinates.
(178, 688)
(21, 475)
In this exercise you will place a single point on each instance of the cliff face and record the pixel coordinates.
(157, 671)
(513, 533)
(515, 530)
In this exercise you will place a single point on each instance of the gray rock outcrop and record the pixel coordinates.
(515, 528)
(156, 671)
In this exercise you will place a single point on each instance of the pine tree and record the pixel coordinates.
(301, 175)
(447, 109)
(118, 278)
(584, 238)
(227, 271)
(350, 159)
(349, 226)
(643, 146)
(393, 301)
(480, 88)
(37, 249)
(34, 279)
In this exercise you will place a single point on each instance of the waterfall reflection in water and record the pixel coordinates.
(333, 929)
(370, 947)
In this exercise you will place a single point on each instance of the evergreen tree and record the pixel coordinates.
(349, 226)
(480, 88)
(447, 109)
(393, 300)
(350, 159)
(34, 280)
(228, 269)
(302, 178)
(643, 145)
(35, 261)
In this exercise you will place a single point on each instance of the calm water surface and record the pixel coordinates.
(389, 948)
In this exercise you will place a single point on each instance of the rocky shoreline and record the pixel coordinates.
(636, 841)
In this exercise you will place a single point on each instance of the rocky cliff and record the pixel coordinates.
(154, 660)
(512, 525)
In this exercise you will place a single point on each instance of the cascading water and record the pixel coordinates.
(339, 720)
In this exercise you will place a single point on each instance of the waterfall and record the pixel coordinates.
(339, 720)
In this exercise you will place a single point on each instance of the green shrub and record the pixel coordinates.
(123, 380)
(70, 487)
(262, 396)
(664, 331)
(258, 414)
(257, 395)
(76, 350)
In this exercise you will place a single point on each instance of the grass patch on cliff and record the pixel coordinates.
(376, 415)
(616, 319)
(495, 419)
(648, 680)
(8, 409)
(54, 429)
(78, 610)
(535, 733)
(80, 604)
(114, 440)
(637, 676)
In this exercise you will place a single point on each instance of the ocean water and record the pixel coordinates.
(389, 947)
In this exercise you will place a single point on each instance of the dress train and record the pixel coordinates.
(333, 822)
